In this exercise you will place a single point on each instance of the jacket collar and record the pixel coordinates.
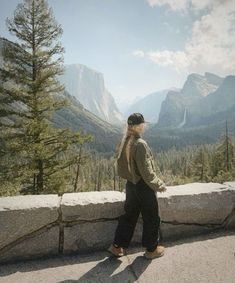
(136, 135)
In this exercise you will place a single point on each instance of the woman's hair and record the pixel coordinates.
(128, 132)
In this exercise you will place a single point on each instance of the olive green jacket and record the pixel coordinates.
(141, 164)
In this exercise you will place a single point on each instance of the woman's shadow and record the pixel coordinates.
(103, 271)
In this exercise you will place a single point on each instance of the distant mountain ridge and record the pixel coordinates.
(87, 85)
(195, 115)
(198, 85)
(149, 105)
(200, 97)
(77, 117)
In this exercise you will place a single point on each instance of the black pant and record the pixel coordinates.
(139, 198)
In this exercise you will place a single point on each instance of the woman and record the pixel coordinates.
(135, 163)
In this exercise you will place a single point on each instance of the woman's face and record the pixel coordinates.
(140, 128)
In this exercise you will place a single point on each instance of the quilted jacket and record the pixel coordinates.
(141, 164)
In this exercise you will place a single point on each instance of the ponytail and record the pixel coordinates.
(129, 137)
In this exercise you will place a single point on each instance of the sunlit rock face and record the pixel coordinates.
(87, 85)
(202, 98)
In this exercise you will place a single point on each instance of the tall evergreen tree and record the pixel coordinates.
(224, 154)
(200, 164)
(30, 92)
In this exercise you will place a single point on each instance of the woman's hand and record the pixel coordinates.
(161, 189)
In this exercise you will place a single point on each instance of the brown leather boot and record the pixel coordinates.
(159, 251)
(116, 251)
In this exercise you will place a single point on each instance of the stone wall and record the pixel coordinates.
(33, 226)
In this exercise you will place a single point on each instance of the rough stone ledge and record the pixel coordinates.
(35, 245)
(25, 237)
(41, 225)
(92, 205)
(225, 222)
(23, 215)
(201, 203)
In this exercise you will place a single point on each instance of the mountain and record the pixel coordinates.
(198, 85)
(149, 105)
(188, 106)
(87, 85)
(195, 115)
(77, 117)
(124, 103)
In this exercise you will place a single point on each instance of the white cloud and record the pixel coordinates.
(184, 5)
(173, 4)
(212, 44)
(200, 5)
(213, 38)
(177, 60)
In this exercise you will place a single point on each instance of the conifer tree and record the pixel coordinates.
(200, 164)
(224, 154)
(32, 150)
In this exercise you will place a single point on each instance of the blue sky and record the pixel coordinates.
(142, 46)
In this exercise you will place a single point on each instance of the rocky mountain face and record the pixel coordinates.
(200, 97)
(195, 115)
(77, 117)
(88, 87)
(149, 106)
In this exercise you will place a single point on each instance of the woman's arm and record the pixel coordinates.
(145, 166)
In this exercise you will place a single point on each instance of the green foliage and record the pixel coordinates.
(224, 156)
(204, 163)
(200, 165)
(224, 176)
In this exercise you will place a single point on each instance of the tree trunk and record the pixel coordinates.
(78, 170)
(40, 176)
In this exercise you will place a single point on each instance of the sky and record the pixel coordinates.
(143, 46)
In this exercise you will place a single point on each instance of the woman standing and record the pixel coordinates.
(135, 163)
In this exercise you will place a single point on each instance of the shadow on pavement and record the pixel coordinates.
(103, 271)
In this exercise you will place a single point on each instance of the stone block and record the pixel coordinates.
(196, 203)
(22, 215)
(42, 243)
(92, 205)
(89, 236)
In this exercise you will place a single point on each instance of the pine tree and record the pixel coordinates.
(200, 165)
(37, 154)
(224, 154)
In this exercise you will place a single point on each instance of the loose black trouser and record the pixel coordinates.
(140, 198)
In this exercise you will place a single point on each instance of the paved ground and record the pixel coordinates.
(209, 258)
